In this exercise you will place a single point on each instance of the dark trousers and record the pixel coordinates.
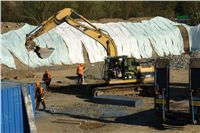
(80, 79)
(38, 100)
(47, 86)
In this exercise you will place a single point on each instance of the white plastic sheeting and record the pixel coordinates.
(137, 40)
(14, 41)
(6, 57)
(194, 35)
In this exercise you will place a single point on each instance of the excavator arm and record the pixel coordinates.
(65, 15)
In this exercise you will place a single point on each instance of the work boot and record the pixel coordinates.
(44, 106)
(37, 105)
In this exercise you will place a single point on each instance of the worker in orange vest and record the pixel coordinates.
(80, 73)
(47, 79)
(39, 96)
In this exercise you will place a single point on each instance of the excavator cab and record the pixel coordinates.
(121, 69)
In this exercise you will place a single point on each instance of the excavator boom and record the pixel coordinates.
(65, 15)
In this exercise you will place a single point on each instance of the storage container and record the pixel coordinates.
(13, 111)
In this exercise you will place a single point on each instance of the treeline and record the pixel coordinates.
(34, 12)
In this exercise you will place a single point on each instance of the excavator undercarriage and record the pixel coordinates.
(123, 90)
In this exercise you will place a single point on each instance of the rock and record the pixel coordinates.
(179, 62)
(59, 82)
(17, 78)
(195, 54)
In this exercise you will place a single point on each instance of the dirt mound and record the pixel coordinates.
(93, 70)
(107, 20)
(139, 19)
(8, 26)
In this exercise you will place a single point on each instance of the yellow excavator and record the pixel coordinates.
(121, 73)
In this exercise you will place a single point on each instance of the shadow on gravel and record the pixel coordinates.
(178, 92)
(77, 90)
(149, 118)
(144, 118)
(117, 100)
(71, 77)
(81, 117)
(83, 92)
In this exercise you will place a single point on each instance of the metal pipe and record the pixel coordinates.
(84, 19)
(33, 30)
(191, 98)
(163, 97)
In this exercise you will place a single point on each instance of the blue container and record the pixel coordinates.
(31, 89)
(13, 112)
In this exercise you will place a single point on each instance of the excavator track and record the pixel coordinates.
(123, 90)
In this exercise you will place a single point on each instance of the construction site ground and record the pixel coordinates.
(71, 109)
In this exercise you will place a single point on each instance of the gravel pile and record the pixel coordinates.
(179, 62)
(195, 54)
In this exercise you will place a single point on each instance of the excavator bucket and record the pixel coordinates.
(43, 53)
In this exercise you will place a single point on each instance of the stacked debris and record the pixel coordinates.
(179, 62)
(195, 54)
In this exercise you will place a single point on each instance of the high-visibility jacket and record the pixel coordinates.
(80, 69)
(46, 77)
(39, 93)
